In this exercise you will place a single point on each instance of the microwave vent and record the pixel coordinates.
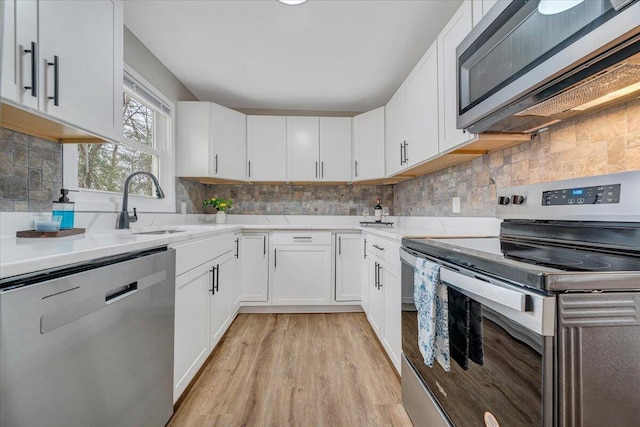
(616, 79)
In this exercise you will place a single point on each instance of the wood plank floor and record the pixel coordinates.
(296, 370)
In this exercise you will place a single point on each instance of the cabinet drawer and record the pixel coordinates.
(384, 249)
(193, 254)
(301, 238)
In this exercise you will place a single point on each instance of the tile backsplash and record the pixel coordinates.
(285, 199)
(30, 172)
(605, 142)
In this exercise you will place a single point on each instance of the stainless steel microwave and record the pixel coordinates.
(530, 64)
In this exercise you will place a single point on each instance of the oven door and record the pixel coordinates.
(513, 383)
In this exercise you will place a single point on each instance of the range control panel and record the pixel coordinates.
(596, 195)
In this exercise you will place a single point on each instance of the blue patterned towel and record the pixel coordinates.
(430, 298)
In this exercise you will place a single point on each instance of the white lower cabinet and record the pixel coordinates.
(381, 293)
(364, 279)
(301, 268)
(191, 333)
(392, 325)
(221, 295)
(348, 272)
(376, 297)
(205, 288)
(254, 263)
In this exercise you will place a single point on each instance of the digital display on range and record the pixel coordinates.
(597, 195)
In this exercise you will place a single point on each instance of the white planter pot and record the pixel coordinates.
(221, 217)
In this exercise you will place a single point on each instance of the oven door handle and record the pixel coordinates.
(475, 287)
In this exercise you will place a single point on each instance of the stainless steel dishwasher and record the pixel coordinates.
(89, 344)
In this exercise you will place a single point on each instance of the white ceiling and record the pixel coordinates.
(330, 55)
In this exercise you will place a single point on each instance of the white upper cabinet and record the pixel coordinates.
(319, 148)
(453, 33)
(368, 145)
(77, 65)
(267, 148)
(422, 110)
(303, 149)
(211, 141)
(193, 139)
(229, 144)
(335, 148)
(19, 61)
(396, 131)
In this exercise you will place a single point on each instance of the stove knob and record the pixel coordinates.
(503, 200)
(517, 199)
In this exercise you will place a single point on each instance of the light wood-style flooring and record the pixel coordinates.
(296, 370)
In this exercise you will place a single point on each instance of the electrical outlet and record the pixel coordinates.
(456, 205)
(183, 208)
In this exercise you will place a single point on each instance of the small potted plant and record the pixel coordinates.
(221, 205)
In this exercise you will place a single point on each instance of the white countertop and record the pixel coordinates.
(26, 255)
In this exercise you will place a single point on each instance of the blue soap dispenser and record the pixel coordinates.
(65, 209)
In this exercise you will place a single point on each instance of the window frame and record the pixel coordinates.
(107, 201)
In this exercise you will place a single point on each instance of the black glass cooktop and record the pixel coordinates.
(526, 262)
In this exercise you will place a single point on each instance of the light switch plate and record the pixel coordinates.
(456, 205)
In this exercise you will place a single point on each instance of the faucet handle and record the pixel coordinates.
(134, 218)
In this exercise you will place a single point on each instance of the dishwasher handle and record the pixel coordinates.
(121, 291)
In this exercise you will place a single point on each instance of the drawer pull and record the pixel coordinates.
(302, 237)
(378, 247)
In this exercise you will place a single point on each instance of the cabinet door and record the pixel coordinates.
(348, 270)
(267, 148)
(392, 314)
(365, 280)
(236, 287)
(20, 29)
(254, 262)
(303, 149)
(376, 296)
(87, 38)
(221, 298)
(191, 339)
(229, 143)
(448, 40)
(368, 145)
(193, 138)
(422, 109)
(335, 148)
(395, 121)
(301, 275)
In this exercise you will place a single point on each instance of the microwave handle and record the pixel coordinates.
(475, 287)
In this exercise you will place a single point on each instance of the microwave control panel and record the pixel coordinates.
(595, 195)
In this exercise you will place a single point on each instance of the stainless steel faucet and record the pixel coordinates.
(124, 219)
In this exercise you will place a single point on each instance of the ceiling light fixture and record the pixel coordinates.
(292, 2)
(553, 7)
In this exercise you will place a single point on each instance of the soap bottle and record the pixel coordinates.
(64, 208)
(378, 211)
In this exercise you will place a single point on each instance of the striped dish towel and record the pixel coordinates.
(430, 298)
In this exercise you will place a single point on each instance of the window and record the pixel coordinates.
(99, 170)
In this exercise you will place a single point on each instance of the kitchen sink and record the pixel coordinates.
(170, 231)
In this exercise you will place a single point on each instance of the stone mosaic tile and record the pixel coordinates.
(30, 172)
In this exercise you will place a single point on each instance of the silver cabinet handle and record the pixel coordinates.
(406, 152)
(322, 169)
(379, 276)
(401, 156)
(340, 245)
(216, 171)
(356, 168)
(302, 237)
(378, 248)
(238, 247)
(275, 258)
(249, 168)
(264, 245)
(365, 248)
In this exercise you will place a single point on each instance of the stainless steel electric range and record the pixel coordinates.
(559, 294)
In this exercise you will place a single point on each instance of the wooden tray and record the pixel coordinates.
(61, 233)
